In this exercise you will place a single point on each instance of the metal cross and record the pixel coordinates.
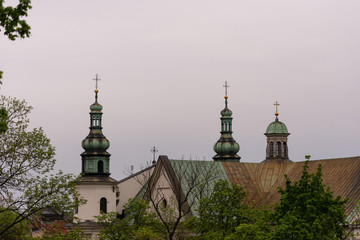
(226, 87)
(154, 151)
(276, 105)
(97, 80)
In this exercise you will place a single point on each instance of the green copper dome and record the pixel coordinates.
(95, 143)
(96, 107)
(226, 147)
(276, 127)
(226, 112)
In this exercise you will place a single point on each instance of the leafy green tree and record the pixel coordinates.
(26, 161)
(222, 212)
(308, 210)
(11, 19)
(258, 226)
(3, 118)
(18, 232)
(138, 223)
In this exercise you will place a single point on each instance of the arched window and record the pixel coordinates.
(271, 150)
(278, 149)
(100, 166)
(285, 150)
(103, 205)
(164, 203)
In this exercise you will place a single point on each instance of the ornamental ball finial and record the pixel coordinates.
(96, 91)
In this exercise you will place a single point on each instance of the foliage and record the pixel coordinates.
(18, 232)
(3, 118)
(222, 212)
(258, 226)
(138, 223)
(11, 19)
(26, 160)
(308, 210)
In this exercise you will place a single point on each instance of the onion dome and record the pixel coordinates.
(226, 147)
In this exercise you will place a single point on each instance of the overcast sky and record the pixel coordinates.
(163, 64)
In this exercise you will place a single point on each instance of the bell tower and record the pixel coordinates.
(95, 184)
(276, 139)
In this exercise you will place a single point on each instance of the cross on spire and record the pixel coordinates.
(226, 87)
(276, 107)
(154, 151)
(96, 79)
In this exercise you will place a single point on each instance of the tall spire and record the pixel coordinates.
(226, 147)
(95, 158)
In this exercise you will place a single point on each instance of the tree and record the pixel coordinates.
(258, 227)
(11, 19)
(308, 210)
(3, 118)
(222, 212)
(175, 188)
(26, 161)
(137, 223)
(18, 232)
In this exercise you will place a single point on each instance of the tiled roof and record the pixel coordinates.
(261, 180)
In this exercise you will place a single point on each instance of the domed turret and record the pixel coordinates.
(277, 134)
(226, 147)
(276, 127)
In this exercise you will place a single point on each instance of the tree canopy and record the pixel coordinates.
(308, 210)
(137, 223)
(222, 211)
(27, 184)
(11, 19)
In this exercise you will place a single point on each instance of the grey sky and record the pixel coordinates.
(163, 64)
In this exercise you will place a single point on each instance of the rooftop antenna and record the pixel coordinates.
(154, 151)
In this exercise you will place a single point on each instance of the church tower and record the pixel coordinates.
(276, 134)
(226, 147)
(95, 184)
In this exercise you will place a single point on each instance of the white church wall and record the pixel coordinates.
(93, 194)
(130, 187)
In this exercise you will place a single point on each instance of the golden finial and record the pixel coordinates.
(276, 106)
(96, 91)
